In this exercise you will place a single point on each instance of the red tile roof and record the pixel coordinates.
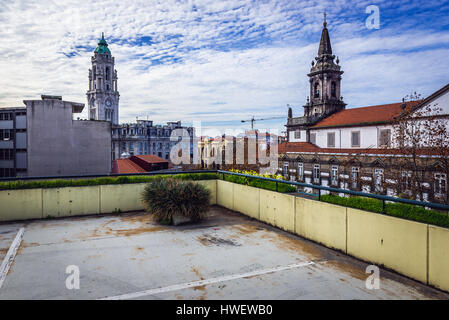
(150, 158)
(126, 166)
(365, 115)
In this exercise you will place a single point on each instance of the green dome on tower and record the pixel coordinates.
(102, 46)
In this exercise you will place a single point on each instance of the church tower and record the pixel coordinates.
(103, 96)
(325, 80)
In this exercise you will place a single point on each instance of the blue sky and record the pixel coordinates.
(221, 61)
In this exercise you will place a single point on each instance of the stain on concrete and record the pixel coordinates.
(208, 240)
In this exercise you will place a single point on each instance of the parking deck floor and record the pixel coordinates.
(226, 256)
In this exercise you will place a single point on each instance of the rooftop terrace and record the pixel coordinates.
(226, 256)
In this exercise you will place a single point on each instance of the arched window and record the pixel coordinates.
(333, 89)
(316, 90)
(107, 73)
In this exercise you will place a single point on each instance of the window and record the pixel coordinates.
(316, 90)
(334, 175)
(384, 137)
(300, 171)
(440, 185)
(297, 134)
(355, 139)
(6, 154)
(405, 181)
(5, 116)
(331, 139)
(378, 178)
(313, 138)
(5, 134)
(355, 177)
(285, 169)
(316, 173)
(7, 172)
(333, 89)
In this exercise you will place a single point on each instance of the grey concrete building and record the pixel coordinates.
(43, 139)
(13, 142)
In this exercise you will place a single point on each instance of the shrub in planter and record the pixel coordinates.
(175, 201)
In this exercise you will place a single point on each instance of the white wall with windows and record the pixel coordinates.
(297, 136)
(346, 138)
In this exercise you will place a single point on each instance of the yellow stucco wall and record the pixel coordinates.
(225, 194)
(123, 197)
(20, 204)
(321, 222)
(246, 200)
(398, 244)
(70, 201)
(439, 257)
(212, 186)
(278, 209)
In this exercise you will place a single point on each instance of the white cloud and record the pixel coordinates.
(233, 59)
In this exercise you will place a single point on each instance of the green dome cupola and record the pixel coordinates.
(102, 46)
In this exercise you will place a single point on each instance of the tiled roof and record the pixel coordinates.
(150, 158)
(365, 115)
(126, 166)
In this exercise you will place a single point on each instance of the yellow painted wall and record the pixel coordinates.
(439, 257)
(225, 194)
(278, 209)
(70, 201)
(121, 197)
(246, 200)
(212, 186)
(398, 244)
(20, 204)
(321, 222)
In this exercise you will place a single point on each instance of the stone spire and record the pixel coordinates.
(325, 42)
(325, 80)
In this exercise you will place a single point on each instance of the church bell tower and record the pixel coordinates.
(325, 80)
(103, 95)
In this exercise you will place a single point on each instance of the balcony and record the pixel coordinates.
(251, 246)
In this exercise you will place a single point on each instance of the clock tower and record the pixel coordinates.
(103, 96)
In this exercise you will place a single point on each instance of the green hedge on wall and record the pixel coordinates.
(262, 184)
(59, 183)
(400, 210)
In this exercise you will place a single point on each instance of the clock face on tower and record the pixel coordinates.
(108, 103)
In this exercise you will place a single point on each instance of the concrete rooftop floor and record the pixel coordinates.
(129, 256)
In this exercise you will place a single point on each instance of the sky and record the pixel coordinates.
(220, 62)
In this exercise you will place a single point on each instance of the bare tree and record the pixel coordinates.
(421, 138)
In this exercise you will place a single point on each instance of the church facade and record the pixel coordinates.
(358, 148)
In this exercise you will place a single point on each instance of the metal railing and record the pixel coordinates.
(320, 188)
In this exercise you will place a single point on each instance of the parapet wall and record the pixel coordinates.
(417, 250)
